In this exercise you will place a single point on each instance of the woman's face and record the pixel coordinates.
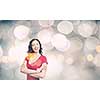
(35, 46)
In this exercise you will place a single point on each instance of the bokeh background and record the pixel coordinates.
(72, 48)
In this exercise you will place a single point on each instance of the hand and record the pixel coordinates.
(38, 70)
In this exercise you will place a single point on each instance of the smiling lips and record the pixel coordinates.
(36, 48)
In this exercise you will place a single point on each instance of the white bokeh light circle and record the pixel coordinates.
(60, 42)
(19, 52)
(47, 46)
(65, 27)
(46, 23)
(21, 32)
(86, 29)
(91, 43)
(45, 35)
(76, 44)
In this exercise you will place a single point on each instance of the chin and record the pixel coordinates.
(36, 51)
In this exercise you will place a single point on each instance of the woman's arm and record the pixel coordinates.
(42, 73)
(25, 70)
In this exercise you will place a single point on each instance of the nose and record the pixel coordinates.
(36, 47)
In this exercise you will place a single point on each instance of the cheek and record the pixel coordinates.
(32, 47)
(39, 47)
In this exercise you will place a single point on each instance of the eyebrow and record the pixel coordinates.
(35, 43)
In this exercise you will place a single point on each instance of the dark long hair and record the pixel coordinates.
(30, 50)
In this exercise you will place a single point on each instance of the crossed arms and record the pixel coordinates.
(39, 73)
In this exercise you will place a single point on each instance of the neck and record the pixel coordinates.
(37, 53)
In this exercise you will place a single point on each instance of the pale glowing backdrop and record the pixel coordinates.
(72, 47)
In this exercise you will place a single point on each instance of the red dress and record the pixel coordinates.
(34, 66)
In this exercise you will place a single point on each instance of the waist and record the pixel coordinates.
(31, 77)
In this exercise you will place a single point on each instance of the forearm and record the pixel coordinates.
(36, 75)
(28, 71)
(39, 75)
(42, 73)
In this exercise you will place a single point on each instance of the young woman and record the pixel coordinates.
(35, 64)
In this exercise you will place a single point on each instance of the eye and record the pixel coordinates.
(37, 44)
(32, 44)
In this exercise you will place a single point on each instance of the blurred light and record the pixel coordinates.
(1, 52)
(91, 43)
(90, 57)
(19, 52)
(87, 29)
(54, 67)
(69, 60)
(85, 74)
(19, 75)
(47, 46)
(1, 60)
(76, 24)
(97, 60)
(46, 23)
(77, 65)
(22, 52)
(98, 33)
(12, 52)
(11, 59)
(7, 74)
(21, 32)
(70, 72)
(60, 57)
(45, 35)
(60, 42)
(65, 27)
(75, 44)
(82, 60)
(18, 42)
(98, 48)
(4, 59)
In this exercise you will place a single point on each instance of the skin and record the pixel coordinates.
(40, 72)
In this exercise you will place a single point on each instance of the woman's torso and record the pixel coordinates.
(35, 65)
